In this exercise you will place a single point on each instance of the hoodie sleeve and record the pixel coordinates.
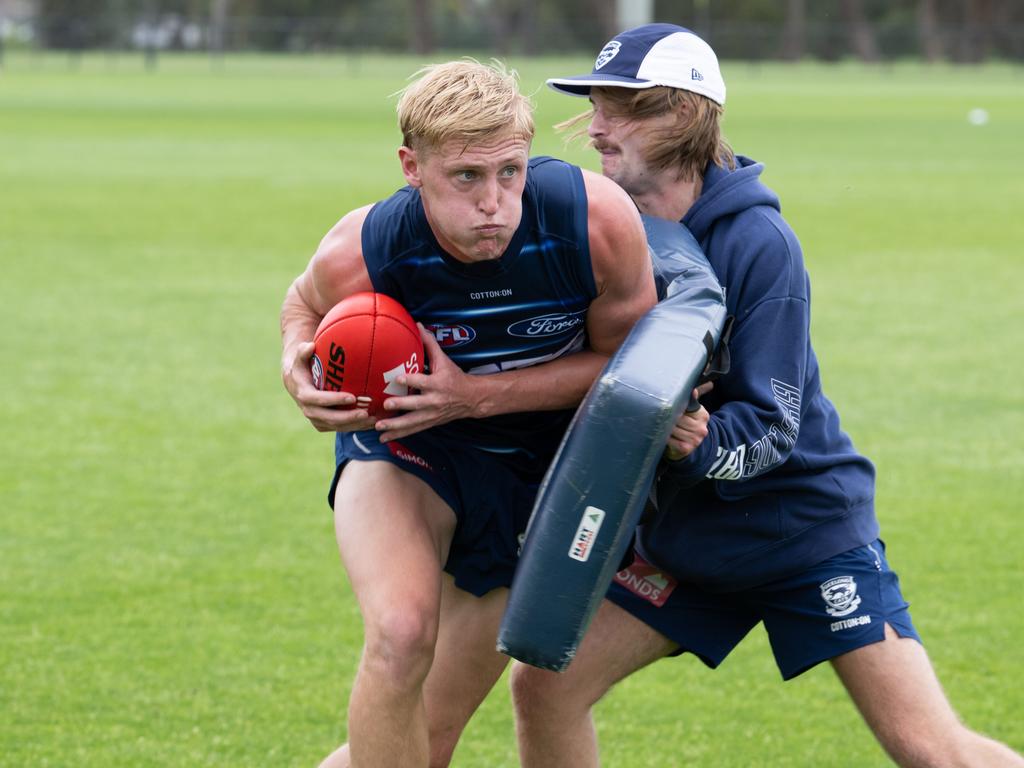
(755, 408)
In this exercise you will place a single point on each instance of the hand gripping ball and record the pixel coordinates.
(362, 345)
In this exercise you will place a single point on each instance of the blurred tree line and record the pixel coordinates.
(871, 30)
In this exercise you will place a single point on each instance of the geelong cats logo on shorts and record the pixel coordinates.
(840, 596)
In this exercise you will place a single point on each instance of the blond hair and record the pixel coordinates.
(463, 100)
(692, 142)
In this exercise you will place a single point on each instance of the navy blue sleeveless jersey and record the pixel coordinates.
(525, 308)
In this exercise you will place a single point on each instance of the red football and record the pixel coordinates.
(362, 344)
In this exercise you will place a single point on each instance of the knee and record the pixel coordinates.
(540, 694)
(399, 646)
(528, 686)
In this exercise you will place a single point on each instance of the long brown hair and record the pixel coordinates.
(692, 142)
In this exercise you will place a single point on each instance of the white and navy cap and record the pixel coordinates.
(654, 54)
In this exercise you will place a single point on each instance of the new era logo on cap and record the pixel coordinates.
(649, 56)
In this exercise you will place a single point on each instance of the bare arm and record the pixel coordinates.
(622, 266)
(335, 271)
(625, 286)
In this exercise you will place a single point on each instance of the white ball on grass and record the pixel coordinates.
(977, 116)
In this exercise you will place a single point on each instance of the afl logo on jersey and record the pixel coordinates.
(449, 336)
(547, 325)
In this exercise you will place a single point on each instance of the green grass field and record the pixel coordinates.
(170, 590)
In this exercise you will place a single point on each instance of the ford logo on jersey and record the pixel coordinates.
(547, 325)
(449, 336)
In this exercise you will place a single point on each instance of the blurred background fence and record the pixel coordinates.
(869, 30)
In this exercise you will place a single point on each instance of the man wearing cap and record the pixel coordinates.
(765, 510)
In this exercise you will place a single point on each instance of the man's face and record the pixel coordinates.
(473, 196)
(622, 142)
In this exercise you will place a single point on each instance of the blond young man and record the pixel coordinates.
(539, 270)
(765, 508)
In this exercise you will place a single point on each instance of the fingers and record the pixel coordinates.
(396, 434)
(679, 449)
(406, 415)
(435, 355)
(694, 423)
(404, 425)
(428, 339)
(305, 350)
(414, 413)
(673, 454)
(688, 433)
(418, 381)
(326, 410)
(397, 403)
(436, 398)
(430, 348)
(694, 405)
(299, 381)
(314, 397)
(338, 420)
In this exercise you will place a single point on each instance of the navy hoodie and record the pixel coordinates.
(776, 486)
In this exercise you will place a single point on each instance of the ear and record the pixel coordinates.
(410, 166)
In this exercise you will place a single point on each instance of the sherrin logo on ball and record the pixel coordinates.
(362, 345)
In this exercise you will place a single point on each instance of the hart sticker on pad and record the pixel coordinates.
(586, 534)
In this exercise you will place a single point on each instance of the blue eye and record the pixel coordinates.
(509, 170)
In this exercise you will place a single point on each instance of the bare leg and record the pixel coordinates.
(465, 668)
(466, 665)
(553, 721)
(393, 533)
(896, 690)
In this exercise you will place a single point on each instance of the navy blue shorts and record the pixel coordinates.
(837, 606)
(492, 499)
